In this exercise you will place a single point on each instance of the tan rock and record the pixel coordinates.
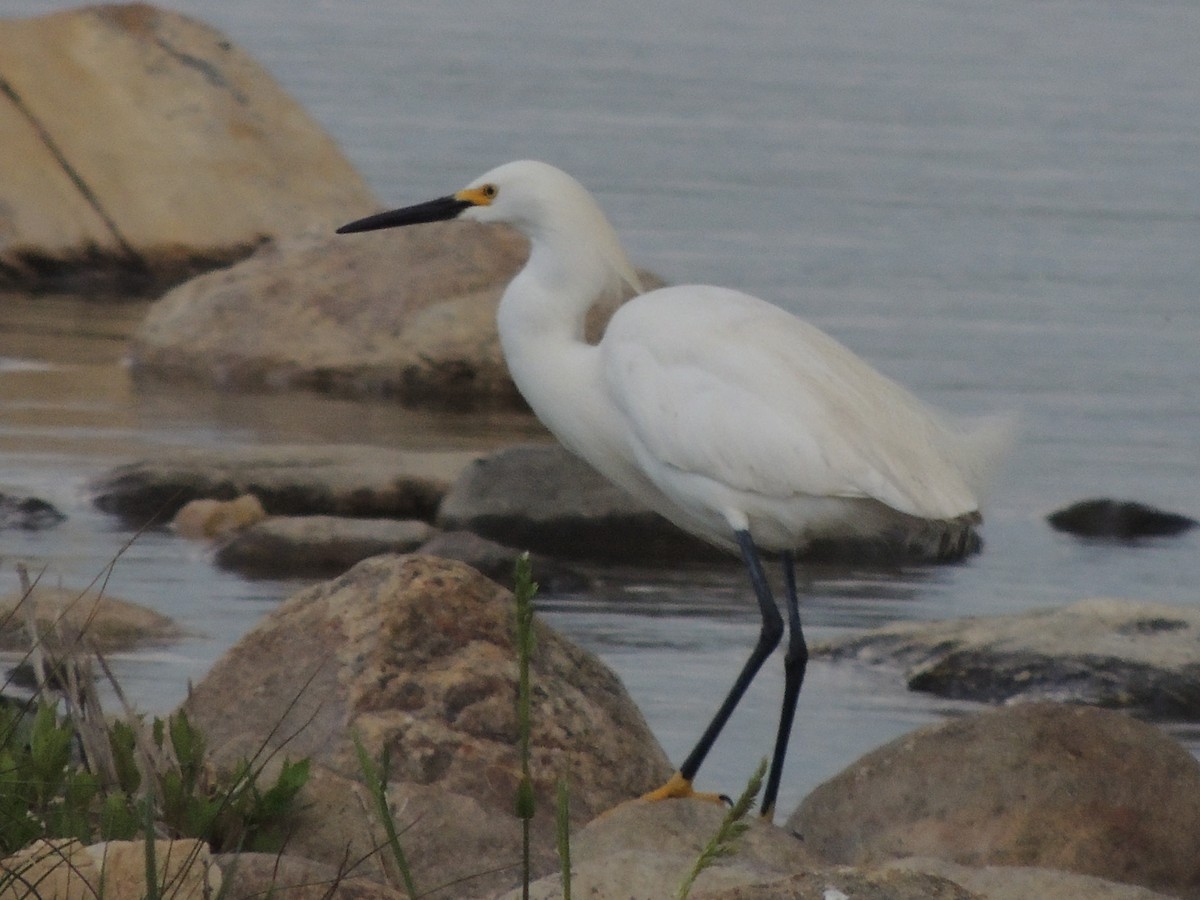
(1035, 785)
(64, 615)
(407, 313)
(143, 145)
(415, 655)
(206, 518)
(258, 876)
(116, 870)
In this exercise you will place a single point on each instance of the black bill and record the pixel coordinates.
(438, 210)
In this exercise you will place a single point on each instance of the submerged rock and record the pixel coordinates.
(141, 146)
(1104, 652)
(1118, 520)
(28, 513)
(345, 480)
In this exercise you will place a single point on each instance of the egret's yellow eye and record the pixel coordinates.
(488, 191)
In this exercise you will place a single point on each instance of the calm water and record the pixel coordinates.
(998, 204)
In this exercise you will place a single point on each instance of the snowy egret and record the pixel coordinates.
(732, 418)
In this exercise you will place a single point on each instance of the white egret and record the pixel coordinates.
(734, 419)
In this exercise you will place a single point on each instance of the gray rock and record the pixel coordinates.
(1118, 520)
(1040, 785)
(343, 481)
(316, 546)
(28, 513)
(543, 498)
(1116, 653)
(141, 146)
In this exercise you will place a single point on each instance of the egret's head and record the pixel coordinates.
(523, 194)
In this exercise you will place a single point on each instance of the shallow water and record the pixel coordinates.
(999, 205)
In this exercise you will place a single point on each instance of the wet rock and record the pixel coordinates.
(28, 513)
(544, 498)
(409, 313)
(65, 616)
(1116, 653)
(1040, 785)
(141, 147)
(316, 546)
(416, 655)
(1118, 520)
(343, 480)
(218, 518)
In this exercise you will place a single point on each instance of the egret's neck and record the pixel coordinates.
(541, 323)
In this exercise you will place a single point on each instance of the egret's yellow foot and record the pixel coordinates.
(678, 788)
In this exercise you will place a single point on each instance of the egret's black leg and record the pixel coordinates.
(768, 639)
(794, 664)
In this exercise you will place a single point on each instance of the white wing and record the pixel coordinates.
(719, 384)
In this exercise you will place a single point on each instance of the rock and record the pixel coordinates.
(218, 518)
(63, 616)
(416, 655)
(1116, 653)
(498, 562)
(409, 314)
(316, 546)
(1118, 520)
(1041, 785)
(1024, 883)
(345, 480)
(256, 876)
(546, 499)
(116, 870)
(141, 147)
(849, 884)
(641, 849)
(28, 513)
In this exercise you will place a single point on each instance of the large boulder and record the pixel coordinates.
(1106, 652)
(1042, 785)
(409, 313)
(141, 146)
(415, 656)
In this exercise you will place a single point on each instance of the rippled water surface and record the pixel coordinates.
(997, 204)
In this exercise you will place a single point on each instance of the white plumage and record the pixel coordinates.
(733, 418)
